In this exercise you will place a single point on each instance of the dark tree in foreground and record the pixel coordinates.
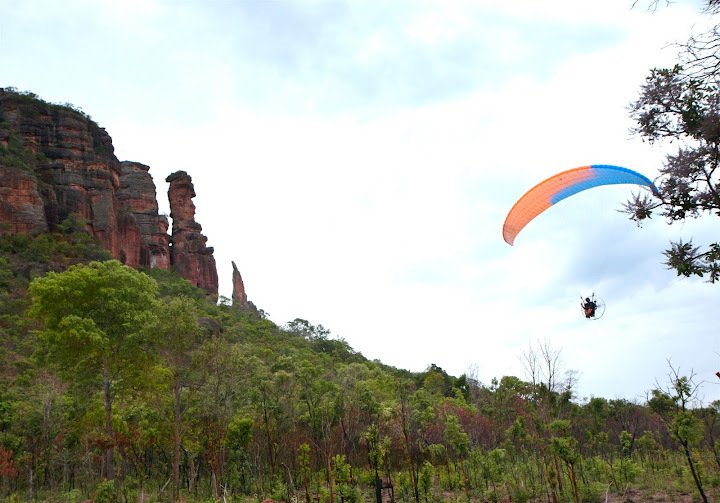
(675, 107)
(681, 105)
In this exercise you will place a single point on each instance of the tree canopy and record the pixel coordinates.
(681, 105)
(116, 372)
(95, 321)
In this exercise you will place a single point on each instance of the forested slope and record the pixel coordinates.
(126, 385)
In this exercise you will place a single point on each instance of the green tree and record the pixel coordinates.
(40, 416)
(307, 330)
(265, 396)
(458, 446)
(342, 473)
(221, 372)
(410, 425)
(95, 321)
(565, 447)
(239, 436)
(426, 480)
(378, 447)
(320, 396)
(673, 407)
(711, 418)
(179, 331)
(303, 456)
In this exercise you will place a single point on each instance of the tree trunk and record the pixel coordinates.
(214, 483)
(291, 483)
(466, 479)
(110, 451)
(47, 407)
(266, 422)
(714, 448)
(413, 467)
(331, 479)
(695, 475)
(551, 482)
(192, 477)
(306, 484)
(378, 487)
(558, 473)
(176, 450)
(573, 481)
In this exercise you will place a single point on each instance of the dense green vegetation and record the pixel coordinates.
(122, 385)
(34, 106)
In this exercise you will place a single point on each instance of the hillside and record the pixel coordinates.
(122, 378)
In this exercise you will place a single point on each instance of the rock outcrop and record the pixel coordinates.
(21, 206)
(57, 165)
(72, 160)
(144, 238)
(188, 254)
(239, 297)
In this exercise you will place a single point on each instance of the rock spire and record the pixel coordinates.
(239, 297)
(188, 254)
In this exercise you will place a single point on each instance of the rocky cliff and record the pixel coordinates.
(145, 241)
(61, 164)
(189, 255)
(57, 165)
(21, 206)
(239, 297)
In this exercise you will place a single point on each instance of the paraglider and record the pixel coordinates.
(563, 185)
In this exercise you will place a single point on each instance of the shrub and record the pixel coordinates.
(105, 492)
(73, 496)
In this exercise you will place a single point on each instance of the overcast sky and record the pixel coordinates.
(357, 159)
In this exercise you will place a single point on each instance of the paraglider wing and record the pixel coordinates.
(563, 185)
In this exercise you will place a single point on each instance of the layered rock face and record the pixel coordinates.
(144, 238)
(71, 158)
(56, 163)
(21, 206)
(188, 254)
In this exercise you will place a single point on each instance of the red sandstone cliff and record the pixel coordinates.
(71, 159)
(56, 163)
(21, 206)
(239, 297)
(144, 238)
(188, 254)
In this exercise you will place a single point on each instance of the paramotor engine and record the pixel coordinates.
(592, 307)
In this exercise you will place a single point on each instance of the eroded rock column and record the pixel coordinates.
(143, 231)
(188, 254)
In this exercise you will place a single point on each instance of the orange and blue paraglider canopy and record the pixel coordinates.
(563, 185)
